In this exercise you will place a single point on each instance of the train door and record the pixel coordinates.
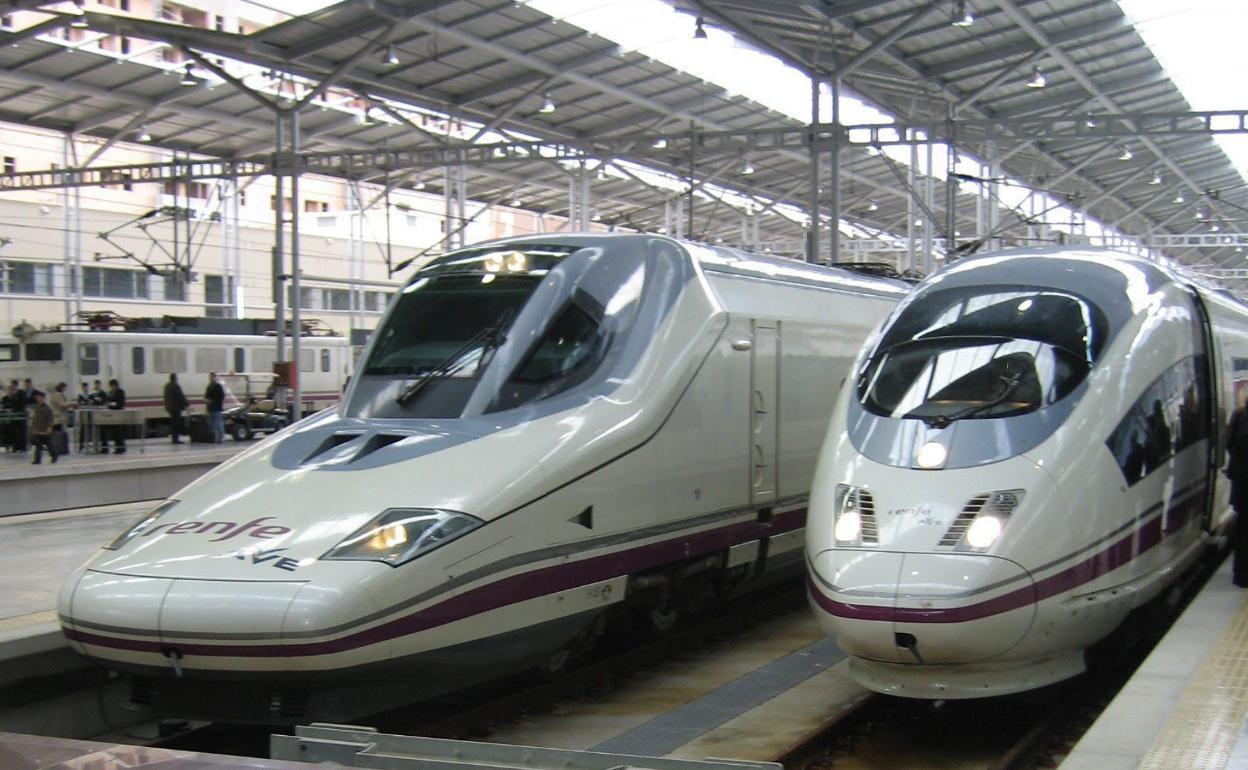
(764, 392)
(1215, 414)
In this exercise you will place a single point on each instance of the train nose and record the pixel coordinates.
(923, 607)
(207, 622)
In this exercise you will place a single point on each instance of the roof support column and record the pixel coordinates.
(812, 237)
(834, 183)
(279, 237)
(454, 202)
(296, 339)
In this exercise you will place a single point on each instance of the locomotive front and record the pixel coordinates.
(965, 493)
(378, 532)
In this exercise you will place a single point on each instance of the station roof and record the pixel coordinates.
(492, 63)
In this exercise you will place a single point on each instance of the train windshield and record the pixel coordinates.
(978, 352)
(437, 324)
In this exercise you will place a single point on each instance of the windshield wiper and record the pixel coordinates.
(488, 338)
(944, 420)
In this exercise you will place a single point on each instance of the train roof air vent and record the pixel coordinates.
(332, 441)
(375, 442)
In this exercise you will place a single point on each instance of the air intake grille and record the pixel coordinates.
(959, 526)
(866, 509)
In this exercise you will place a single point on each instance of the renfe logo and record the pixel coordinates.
(226, 529)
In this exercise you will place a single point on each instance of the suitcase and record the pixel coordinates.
(198, 430)
(60, 442)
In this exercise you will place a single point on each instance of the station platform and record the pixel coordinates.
(150, 469)
(1185, 707)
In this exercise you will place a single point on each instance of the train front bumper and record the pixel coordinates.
(188, 627)
(922, 608)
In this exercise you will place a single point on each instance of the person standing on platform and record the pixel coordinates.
(28, 392)
(41, 428)
(215, 398)
(98, 396)
(60, 407)
(116, 400)
(175, 405)
(1237, 472)
(12, 418)
(84, 395)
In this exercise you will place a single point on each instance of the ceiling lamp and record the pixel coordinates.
(144, 134)
(1178, 198)
(419, 185)
(1089, 121)
(962, 16)
(1156, 180)
(747, 168)
(187, 78)
(80, 20)
(1126, 153)
(1037, 78)
(659, 144)
(699, 31)
(516, 203)
(548, 105)
(873, 206)
(390, 59)
(1198, 215)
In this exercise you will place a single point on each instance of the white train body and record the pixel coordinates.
(648, 411)
(142, 362)
(1030, 449)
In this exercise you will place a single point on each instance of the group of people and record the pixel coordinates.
(176, 404)
(29, 417)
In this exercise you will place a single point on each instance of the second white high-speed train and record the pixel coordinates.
(1027, 451)
(542, 431)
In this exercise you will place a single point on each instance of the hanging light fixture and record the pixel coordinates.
(390, 58)
(1198, 215)
(144, 134)
(188, 79)
(80, 19)
(962, 16)
(516, 203)
(1178, 198)
(1089, 121)
(1126, 153)
(659, 144)
(420, 184)
(1156, 180)
(747, 167)
(548, 105)
(699, 31)
(1037, 78)
(873, 206)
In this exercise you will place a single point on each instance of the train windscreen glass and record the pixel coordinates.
(980, 352)
(437, 323)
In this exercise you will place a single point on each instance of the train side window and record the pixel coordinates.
(240, 359)
(209, 360)
(10, 353)
(1168, 417)
(138, 360)
(88, 359)
(43, 351)
(167, 360)
(324, 359)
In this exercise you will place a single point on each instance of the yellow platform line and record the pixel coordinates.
(1204, 724)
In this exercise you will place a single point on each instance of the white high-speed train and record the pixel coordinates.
(542, 430)
(1027, 451)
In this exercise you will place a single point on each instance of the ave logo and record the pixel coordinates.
(273, 558)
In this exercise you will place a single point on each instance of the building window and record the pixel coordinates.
(218, 290)
(118, 179)
(197, 190)
(174, 286)
(10, 164)
(219, 22)
(335, 299)
(114, 282)
(375, 301)
(25, 277)
(287, 204)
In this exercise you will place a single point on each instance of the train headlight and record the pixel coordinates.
(931, 455)
(991, 511)
(983, 532)
(142, 526)
(850, 513)
(399, 535)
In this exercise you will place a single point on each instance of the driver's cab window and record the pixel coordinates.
(561, 359)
